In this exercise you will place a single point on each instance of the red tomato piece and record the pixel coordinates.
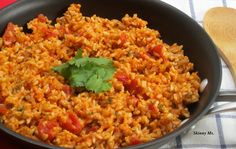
(131, 85)
(72, 123)
(3, 109)
(134, 88)
(9, 35)
(123, 38)
(124, 78)
(152, 108)
(50, 33)
(157, 50)
(46, 128)
(135, 141)
(67, 89)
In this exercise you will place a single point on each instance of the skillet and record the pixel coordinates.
(173, 25)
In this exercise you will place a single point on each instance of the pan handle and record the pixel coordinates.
(226, 96)
(228, 107)
(223, 96)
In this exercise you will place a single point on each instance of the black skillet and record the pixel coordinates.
(173, 25)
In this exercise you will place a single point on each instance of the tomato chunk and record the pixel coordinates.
(45, 130)
(3, 109)
(157, 50)
(67, 90)
(124, 78)
(131, 84)
(123, 38)
(154, 111)
(50, 33)
(152, 108)
(135, 141)
(133, 87)
(72, 123)
(9, 34)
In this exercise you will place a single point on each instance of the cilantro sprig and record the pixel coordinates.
(91, 73)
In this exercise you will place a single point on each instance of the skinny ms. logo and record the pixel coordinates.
(203, 133)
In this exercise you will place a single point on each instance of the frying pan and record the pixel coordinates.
(174, 26)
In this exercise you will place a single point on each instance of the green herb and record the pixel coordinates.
(91, 73)
(160, 106)
(20, 109)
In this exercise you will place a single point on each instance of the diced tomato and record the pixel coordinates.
(124, 78)
(46, 128)
(157, 50)
(133, 87)
(42, 18)
(3, 109)
(9, 35)
(135, 141)
(130, 84)
(123, 38)
(48, 33)
(72, 123)
(154, 110)
(67, 89)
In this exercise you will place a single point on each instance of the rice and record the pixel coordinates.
(38, 103)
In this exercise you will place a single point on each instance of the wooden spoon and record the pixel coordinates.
(220, 24)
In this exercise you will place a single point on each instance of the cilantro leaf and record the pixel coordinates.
(90, 73)
(78, 54)
(63, 70)
(94, 83)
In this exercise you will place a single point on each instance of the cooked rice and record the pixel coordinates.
(31, 94)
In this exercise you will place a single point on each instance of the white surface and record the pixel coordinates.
(201, 6)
